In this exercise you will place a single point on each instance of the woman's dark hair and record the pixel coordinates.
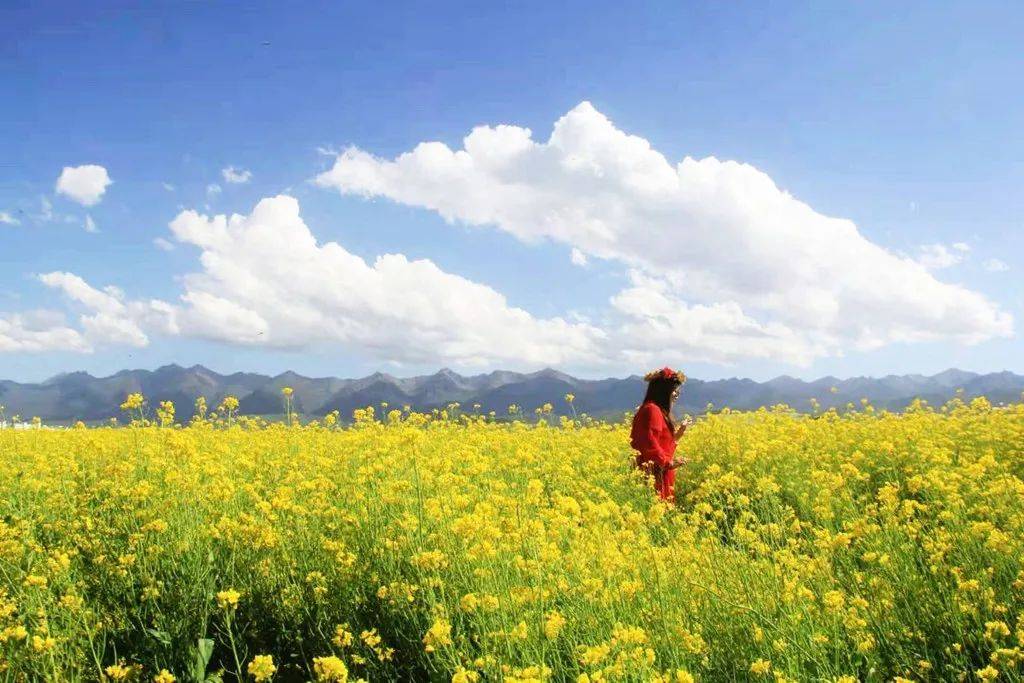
(659, 392)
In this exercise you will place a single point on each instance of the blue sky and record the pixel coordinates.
(902, 119)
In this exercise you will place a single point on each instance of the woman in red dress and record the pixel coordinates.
(654, 433)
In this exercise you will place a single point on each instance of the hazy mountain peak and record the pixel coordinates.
(784, 379)
(553, 374)
(290, 376)
(78, 375)
(954, 376)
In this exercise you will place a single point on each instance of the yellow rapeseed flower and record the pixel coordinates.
(330, 669)
(438, 635)
(262, 668)
(228, 599)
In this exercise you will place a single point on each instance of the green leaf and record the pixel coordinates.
(204, 650)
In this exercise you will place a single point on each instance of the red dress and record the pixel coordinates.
(652, 436)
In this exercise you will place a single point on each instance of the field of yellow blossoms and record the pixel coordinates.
(454, 547)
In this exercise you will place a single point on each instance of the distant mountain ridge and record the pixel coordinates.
(80, 396)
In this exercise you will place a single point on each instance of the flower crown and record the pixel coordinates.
(665, 373)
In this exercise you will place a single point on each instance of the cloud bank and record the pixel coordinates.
(264, 280)
(712, 234)
(39, 330)
(719, 264)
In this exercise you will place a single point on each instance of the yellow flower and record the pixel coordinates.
(164, 676)
(343, 638)
(228, 599)
(989, 673)
(287, 391)
(462, 675)
(262, 668)
(469, 602)
(34, 580)
(165, 413)
(133, 402)
(996, 629)
(834, 600)
(439, 635)
(760, 667)
(121, 672)
(370, 638)
(520, 632)
(200, 408)
(553, 624)
(15, 633)
(595, 654)
(330, 669)
(41, 644)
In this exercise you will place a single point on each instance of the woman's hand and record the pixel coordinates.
(682, 427)
(678, 462)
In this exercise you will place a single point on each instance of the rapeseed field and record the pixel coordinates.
(449, 546)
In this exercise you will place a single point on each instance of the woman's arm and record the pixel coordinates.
(677, 463)
(681, 429)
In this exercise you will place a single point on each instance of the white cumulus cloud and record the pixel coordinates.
(37, 331)
(110, 318)
(577, 257)
(84, 184)
(236, 175)
(8, 219)
(266, 280)
(732, 249)
(658, 326)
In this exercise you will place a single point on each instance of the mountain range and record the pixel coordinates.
(80, 396)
